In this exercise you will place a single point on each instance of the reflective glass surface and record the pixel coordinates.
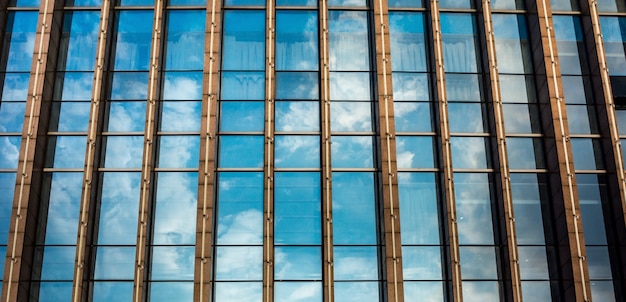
(529, 195)
(129, 86)
(517, 88)
(173, 263)
(408, 48)
(423, 291)
(421, 263)
(182, 85)
(171, 291)
(350, 86)
(58, 263)
(347, 2)
(536, 291)
(242, 85)
(459, 39)
(412, 117)
(55, 291)
(354, 209)
(296, 40)
(179, 151)
(357, 291)
(126, 116)
(15, 87)
(298, 263)
(240, 211)
(355, 263)
(243, 116)
(480, 291)
(569, 35)
(587, 154)
(297, 203)
(592, 192)
(466, 117)
(79, 40)
(234, 151)
(296, 3)
(123, 152)
(352, 151)
(68, 151)
(298, 291)
(456, 3)
(521, 118)
(115, 263)
(239, 263)
(478, 262)
(292, 116)
(410, 86)
(112, 291)
(238, 291)
(83, 2)
(512, 44)
(348, 39)
(67, 116)
(244, 3)
(180, 116)
(7, 187)
(20, 35)
(74, 86)
(612, 6)
(524, 153)
(24, 3)
(12, 116)
(63, 207)
(133, 35)
(415, 152)
(473, 208)
(296, 151)
(564, 5)
(463, 87)
(10, 151)
(185, 38)
(469, 153)
(351, 117)
(614, 37)
(533, 262)
(119, 207)
(419, 216)
(297, 85)
(176, 202)
(244, 40)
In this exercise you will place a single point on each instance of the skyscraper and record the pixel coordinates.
(300, 150)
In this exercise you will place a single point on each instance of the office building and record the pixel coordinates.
(301, 150)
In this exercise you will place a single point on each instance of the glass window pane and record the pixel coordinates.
(296, 116)
(132, 39)
(521, 118)
(469, 153)
(598, 261)
(172, 263)
(242, 116)
(298, 263)
(58, 263)
(423, 291)
(603, 291)
(527, 206)
(408, 48)
(179, 151)
(79, 40)
(533, 262)
(126, 116)
(244, 39)
(466, 117)
(297, 213)
(512, 44)
(15, 86)
(351, 117)
(296, 40)
(182, 86)
(12, 116)
(419, 217)
(239, 263)
(171, 291)
(463, 87)
(176, 203)
(415, 152)
(456, 4)
(614, 36)
(587, 154)
(537, 291)
(296, 3)
(354, 208)
(346, 3)
(240, 208)
(112, 291)
(355, 263)
(590, 191)
(119, 207)
(357, 291)
(296, 151)
(352, 151)
(568, 32)
(524, 153)
(9, 151)
(235, 151)
(612, 6)
(406, 3)
(55, 291)
(348, 39)
(83, 2)
(410, 86)
(577, 89)
(238, 291)
(421, 263)
(581, 119)
(68, 151)
(72, 116)
(478, 262)
(181, 116)
(298, 291)
(74, 86)
(63, 207)
(473, 208)
(7, 187)
(241, 85)
(115, 263)
(412, 117)
(350, 86)
(129, 86)
(297, 86)
(185, 38)
(480, 291)
(123, 152)
(244, 3)
(459, 40)
(21, 28)
(517, 88)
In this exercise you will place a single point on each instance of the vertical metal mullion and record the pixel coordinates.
(84, 244)
(511, 261)
(147, 166)
(560, 162)
(268, 162)
(208, 141)
(389, 169)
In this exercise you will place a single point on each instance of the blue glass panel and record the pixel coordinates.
(348, 40)
(21, 28)
(473, 208)
(466, 117)
(296, 3)
(421, 263)
(297, 86)
(74, 86)
(179, 151)
(459, 41)
(350, 86)
(512, 45)
(58, 263)
(171, 291)
(406, 3)
(73, 117)
(244, 39)
(410, 86)
(24, 3)
(527, 202)
(12, 116)
(419, 216)
(614, 36)
(619, 114)
(469, 153)
(172, 263)
(298, 263)
(354, 209)
(581, 119)
(408, 48)
(587, 154)
(115, 263)
(480, 291)
(298, 291)
(68, 151)
(355, 263)
(135, 2)
(576, 90)
(415, 152)
(525, 153)
(238, 291)
(63, 208)
(412, 117)
(243, 116)
(537, 291)
(599, 264)
(119, 207)
(463, 87)
(297, 151)
(350, 117)
(296, 116)
(357, 291)
(507, 4)
(612, 6)
(126, 116)
(129, 86)
(352, 151)
(244, 3)
(176, 204)
(517, 88)
(478, 262)
(423, 291)
(590, 192)
(297, 203)
(180, 116)
(185, 39)
(79, 40)
(55, 291)
(603, 291)
(240, 208)
(182, 86)
(521, 118)
(533, 262)
(15, 87)
(9, 151)
(83, 2)
(112, 291)
(564, 5)
(7, 187)
(456, 3)
(132, 39)
(346, 3)
(123, 152)
(239, 263)
(568, 32)
(242, 85)
(241, 151)
(296, 40)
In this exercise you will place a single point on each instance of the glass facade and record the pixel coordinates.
(298, 150)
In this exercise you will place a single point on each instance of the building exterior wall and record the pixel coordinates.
(300, 150)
